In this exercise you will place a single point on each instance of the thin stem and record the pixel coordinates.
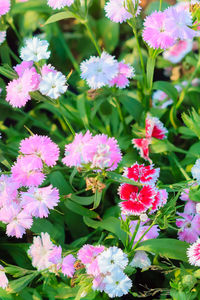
(92, 37)
(134, 234)
(180, 168)
(140, 53)
(120, 112)
(65, 119)
(15, 57)
(160, 7)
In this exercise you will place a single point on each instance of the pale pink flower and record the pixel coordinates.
(116, 10)
(22, 67)
(17, 220)
(38, 201)
(4, 7)
(178, 23)
(193, 253)
(155, 33)
(47, 69)
(189, 225)
(178, 51)
(41, 146)
(121, 80)
(40, 251)
(185, 195)
(88, 253)
(58, 4)
(56, 255)
(8, 190)
(27, 171)
(74, 153)
(3, 278)
(98, 283)
(68, 265)
(103, 152)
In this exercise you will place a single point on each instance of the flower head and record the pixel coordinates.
(68, 265)
(99, 71)
(143, 174)
(8, 190)
(140, 260)
(143, 146)
(193, 253)
(2, 36)
(154, 128)
(58, 4)
(35, 50)
(178, 51)
(125, 71)
(3, 278)
(116, 10)
(89, 252)
(189, 225)
(4, 7)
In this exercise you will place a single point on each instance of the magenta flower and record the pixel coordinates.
(121, 80)
(4, 7)
(17, 220)
(38, 201)
(8, 190)
(3, 278)
(56, 255)
(27, 171)
(41, 146)
(189, 225)
(68, 265)
(155, 33)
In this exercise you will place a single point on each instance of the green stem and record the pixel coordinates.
(119, 112)
(12, 25)
(180, 168)
(64, 118)
(160, 7)
(134, 234)
(92, 37)
(140, 53)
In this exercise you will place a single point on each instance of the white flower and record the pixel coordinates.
(53, 84)
(198, 208)
(117, 284)
(40, 251)
(35, 50)
(2, 36)
(141, 260)
(196, 171)
(58, 4)
(143, 217)
(112, 257)
(98, 71)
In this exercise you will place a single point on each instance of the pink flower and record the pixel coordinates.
(155, 33)
(185, 195)
(58, 4)
(2, 36)
(189, 225)
(40, 251)
(4, 7)
(3, 278)
(116, 10)
(38, 201)
(18, 90)
(98, 283)
(135, 201)
(74, 153)
(103, 152)
(178, 23)
(41, 146)
(178, 51)
(144, 174)
(143, 146)
(56, 255)
(21, 68)
(88, 253)
(193, 253)
(8, 190)
(121, 79)
(68, 265)
(17, 220)
(27, 171)
(47, 69)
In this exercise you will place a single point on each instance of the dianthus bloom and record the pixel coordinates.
(161, 99)
(189, 225)
(17, 220)
(27, 171)
(144, 174)
(53, 84)
(40, 251)
(3, 278)
(178, 51)
(178, 23)
(68, 265)
(193, 254)
(140, 260)
(116, 10)
(35, 50)
(42, 147)
(125, 71)
(4, 7)
(155, 33)
(38, 201)
(58, 4)
(2, 36)
(100, 151)
(99, 71)
(8, 190)
(196, 171)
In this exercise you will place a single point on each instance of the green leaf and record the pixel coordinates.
(194, 194)
(82, 200)
(132, 106)
(168, 88)
(97, 199)
(150, 71)
(109, 31)
(80, 210)
(19, 284)
(170, 248)
(119, 178)
(110, 224)
(192, 121)
(59, 16)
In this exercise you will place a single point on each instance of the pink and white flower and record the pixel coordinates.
(189, 225)
(178, 51)
(125, 72)
(3, 278)
(193, 253)
(141, 173)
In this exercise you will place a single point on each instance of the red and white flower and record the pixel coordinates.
(144, 174)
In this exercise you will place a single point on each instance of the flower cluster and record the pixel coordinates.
(20, 197)
(153, 129)
(99, 151)
(106, 71)
(46, 255)
(137, 201)
(30, 78)
(163, 29)
(106, 267)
